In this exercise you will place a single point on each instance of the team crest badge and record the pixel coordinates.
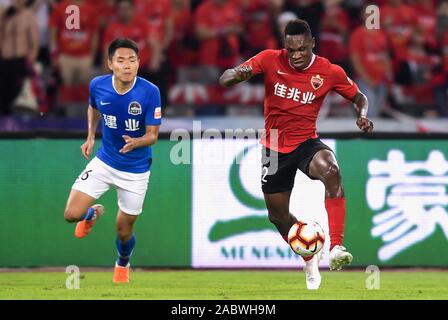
(134, 108)
(317, 82)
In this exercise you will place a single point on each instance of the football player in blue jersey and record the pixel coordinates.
(130, 110)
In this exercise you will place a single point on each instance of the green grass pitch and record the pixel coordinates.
(222, 285)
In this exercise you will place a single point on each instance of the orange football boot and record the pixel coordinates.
(121, 274)
(83, 227)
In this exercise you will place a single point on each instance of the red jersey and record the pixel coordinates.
(76, 42)
(427, 20)
(372, 48)
(179, 54)
(293, 98)
(331, 39)
(222, 52)
(257, 18)
(398, 22)
(157, 12)
(106, 11)
(136, 30)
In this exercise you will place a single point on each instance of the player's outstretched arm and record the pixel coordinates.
(148, 139)
(361, 107)
(93, 117)
(235, 75)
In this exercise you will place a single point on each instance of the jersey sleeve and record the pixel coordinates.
(258, 62)
(92, 101)
(154, 112)
(342, 84)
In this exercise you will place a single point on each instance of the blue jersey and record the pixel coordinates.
(125, 114)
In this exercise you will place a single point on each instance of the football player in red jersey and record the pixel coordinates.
(296, 83)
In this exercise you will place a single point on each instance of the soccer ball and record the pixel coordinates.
(306, 238)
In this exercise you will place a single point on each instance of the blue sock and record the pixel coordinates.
(125, 251)
(89, 215)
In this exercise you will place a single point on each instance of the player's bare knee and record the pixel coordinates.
(124, 236)
(124, 232)
(332, 172)
(70, 215)
(333, 181)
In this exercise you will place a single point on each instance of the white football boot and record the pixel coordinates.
(312, 273)
(339, 258)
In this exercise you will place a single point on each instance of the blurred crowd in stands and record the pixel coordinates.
(46, 61)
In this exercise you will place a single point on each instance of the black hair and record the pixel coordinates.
(121, 43)
(298, 26)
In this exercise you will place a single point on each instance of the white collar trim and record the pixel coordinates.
(113, 85)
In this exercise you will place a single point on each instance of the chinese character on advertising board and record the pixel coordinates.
(410, 200)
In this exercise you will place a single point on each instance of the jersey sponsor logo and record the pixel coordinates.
(281, 72)
(158, 113)
(132, 125)
(295, 94)
(110, 121)
(317, 82)
(135, 108)
(104, 103)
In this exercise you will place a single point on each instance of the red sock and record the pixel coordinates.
(336, 215)
(285, 237)
(308, 258)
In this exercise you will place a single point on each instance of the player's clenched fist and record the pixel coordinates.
(243, 73)
(365, 124)
(86, 148)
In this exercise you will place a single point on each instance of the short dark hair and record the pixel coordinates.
(121, 43)
(298, 26)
